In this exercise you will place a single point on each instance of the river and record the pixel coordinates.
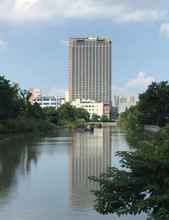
(46, 178)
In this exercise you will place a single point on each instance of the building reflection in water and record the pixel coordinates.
(90, 155)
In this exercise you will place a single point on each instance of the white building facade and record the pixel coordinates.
(97, 108)
(46, 101)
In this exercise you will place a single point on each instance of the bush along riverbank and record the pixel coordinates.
(17, 115)
(141, 183)
(26, 125)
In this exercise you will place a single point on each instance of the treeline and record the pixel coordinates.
(17, 115)
(67, 116)
(141, 184)
(151, 109)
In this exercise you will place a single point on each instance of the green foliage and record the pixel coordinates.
(10, 99)
(34, 111)
(151, 109)
(130, 120)
(95, 118)
(52, 115)
(104, 118)
(142, 183)
(154, 104)
(16, 114)
(66, 113)
(82, 114)
(26, 125)
(70, 115)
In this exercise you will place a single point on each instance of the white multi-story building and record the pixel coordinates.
(46, 101)
(61, 101)
(98, 108)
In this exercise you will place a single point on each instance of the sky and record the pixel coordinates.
(34, 33)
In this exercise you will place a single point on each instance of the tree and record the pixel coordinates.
(66, 113)
(142, 182)
(52, 114)
(82, 114)
(154, 104)
(10, 99)
(104, 118)
(69, 113)
(95, 118)
(35, 111)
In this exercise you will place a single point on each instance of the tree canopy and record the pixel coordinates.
(69, 113)
(154, 104)
(10, 99)
(142, 182)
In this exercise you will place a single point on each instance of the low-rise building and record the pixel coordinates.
(46, 101)
(98, 108)
(60, 101)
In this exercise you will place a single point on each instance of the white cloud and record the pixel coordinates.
(3, 43)
(24, 4)
(142, 15)
(140, 81)
(19, 11)
(164, 28)
(134, 86)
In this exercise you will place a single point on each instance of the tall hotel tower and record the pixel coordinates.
(89, 69)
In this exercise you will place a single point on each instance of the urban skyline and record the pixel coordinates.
(88, 79)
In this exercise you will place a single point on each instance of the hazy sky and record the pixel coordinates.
(34, 33)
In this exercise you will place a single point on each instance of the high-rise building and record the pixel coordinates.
(89, 69)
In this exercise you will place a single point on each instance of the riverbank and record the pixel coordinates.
(23, 125)
(29, 126)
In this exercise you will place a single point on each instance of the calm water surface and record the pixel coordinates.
(47, 178)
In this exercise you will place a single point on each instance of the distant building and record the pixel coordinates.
(33, 93)
(89, 70)
(98, 108)
(61, 101)
(35, 96)
(47, 101)
(67, 97)
(122, 103)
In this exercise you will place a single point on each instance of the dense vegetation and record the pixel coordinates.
(17, 115)
(67, 116)
(152, 108)
(141, 185)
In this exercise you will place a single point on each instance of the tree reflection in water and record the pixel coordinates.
(16, 155)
